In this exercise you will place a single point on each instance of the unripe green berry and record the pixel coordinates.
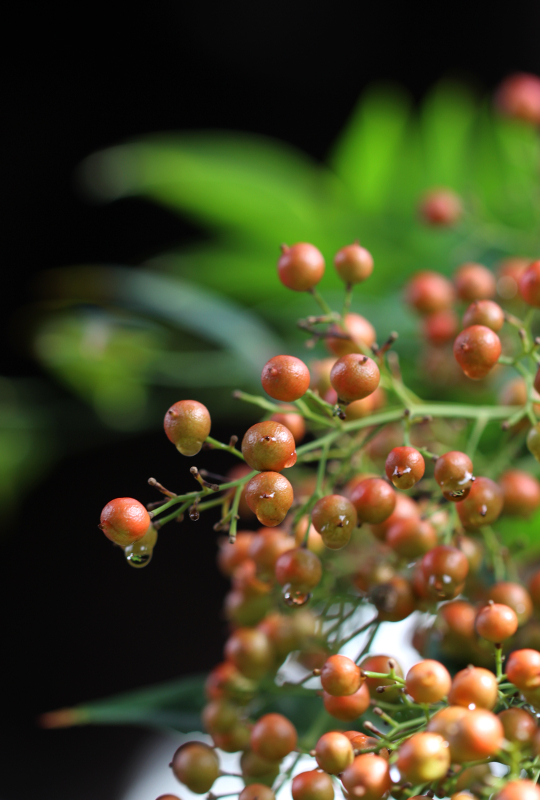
(187, 424)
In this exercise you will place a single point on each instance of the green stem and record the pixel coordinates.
(322, 302)
(215, 445)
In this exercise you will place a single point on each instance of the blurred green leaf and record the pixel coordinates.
(522, 534)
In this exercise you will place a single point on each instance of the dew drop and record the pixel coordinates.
(194, 513)
(138, 560)
(295, 599)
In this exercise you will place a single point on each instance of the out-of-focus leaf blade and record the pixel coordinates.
(523, 533)
(364, 154)
(246, 185)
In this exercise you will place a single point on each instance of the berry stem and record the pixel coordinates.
(230, 448)
(319, 299)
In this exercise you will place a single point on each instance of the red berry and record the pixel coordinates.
(354, 377)
(428, 682)
(529, 284)
(294, 422)
(478, 734)
(484, 312)
(300, 569)
(360, 335)
(423, 757)
(334, 752)
(266, 547)
(519, 726)
(477, 350)
(273, 737)
(285, 378)
(412, 537)
(515, 596)
(196, 765)
(474, 282)
(441, 326)
(187, 424)
(250, 651)
(496, 622)
(441, 207)
(269, 446)
(483, 504)
(124, 521)
(454, 474)
(353, 263)
(256, 791)
(312, 785)
(269, 495)
(523, 669)
(374, 500)
(445, 569)
(474, 687)
(368, 777)
(521, 492)
(405, 466)
(334, 517)
(428, 292)
(518, 97)
(394, 600)
(300, 267)
(340, 676)
(347, 707)
(521, 789)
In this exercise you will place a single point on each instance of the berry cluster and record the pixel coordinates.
(393, 521)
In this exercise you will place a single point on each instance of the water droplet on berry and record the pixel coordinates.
(138, 560)
(293, 598)
(194, 514)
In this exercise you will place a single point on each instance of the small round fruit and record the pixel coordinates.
(340, 676)
(474, 282)
(445, 569)
(428, 292)
(273, 737)
(411, 538)
(353, 263)
(445, 721)
(347, 707)
(354, 376)
(521, 789)
(256, 791)
(483, 504)
(360, 335)
(394, 600)
(334, 517)
(519, 726)
(474, 687)
(250, 651)
(269, 495)
(521, 492)
(312, 785)
(300, 569)
(424, 757)
(269, 446)
(367, 778)
(334, 752)
(479, 734)
(266, 547)
(293, 421)
(496, 622)
(523, 669)
(518, 97)
(441, 327)
(529, 284)
(187, 424)
(300, 267)
(441, 207)
(484, 312)
(477, 350)
(428, 682)
(285, 378)
(405, 466)
(196, 765)
(374, 500)
(124, 521)
(454, 474)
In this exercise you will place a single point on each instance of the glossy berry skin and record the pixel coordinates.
(285, 378)
(347, 707)
(269, 495)
(300, 267)
(483, 504)
(394, 600)
(428, 681)
(441, 327)
(519, 725)
(187, 424)
(334, 517)
(353, 263)
(445, 569)
(354, 377)
(474, 282)
(441, 207)
(250, 651)
(312, 785)
(496, 622)
(428, 292)
(374, 500)
(474, 687)
(368, 777)
(518, 97)
(529, 284)
(454, 474)
(269, 446)
(523, 669)
(196, 765)
(514, 595)
(477, 350)
(478, 734)
(300, 569)
(294, 422)
(124, 521)
(340, 676)
(361, 335)
(334, 752)
(411, 538)
(423, 757)
(484, 312)
(273, 737)
(256, 791)
(404, 466)
(521, 789)
(521, 492)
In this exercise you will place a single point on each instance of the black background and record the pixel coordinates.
(77, 623)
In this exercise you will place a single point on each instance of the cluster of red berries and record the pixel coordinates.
(392, 520)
